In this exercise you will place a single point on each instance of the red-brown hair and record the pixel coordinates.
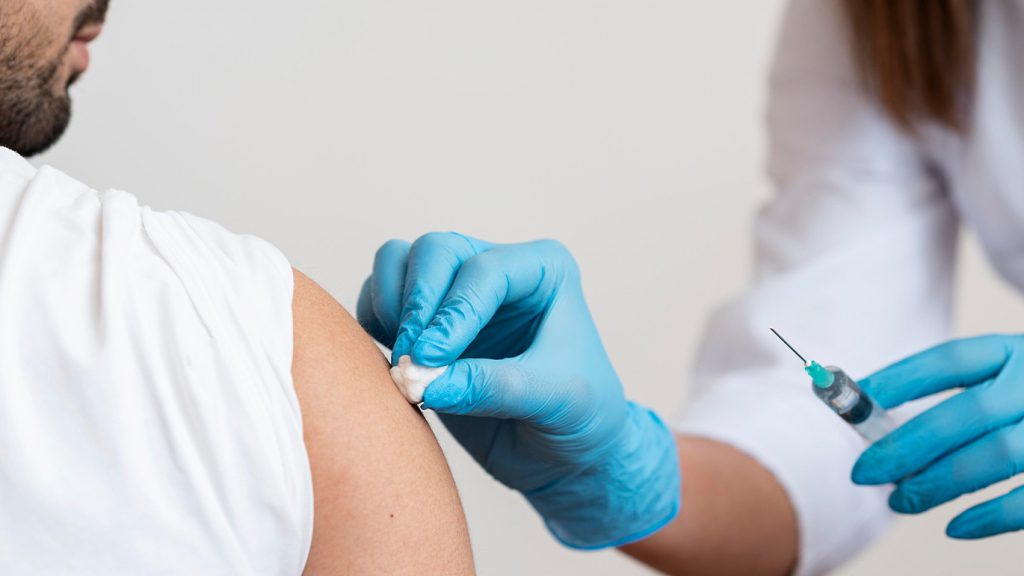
(917, 56)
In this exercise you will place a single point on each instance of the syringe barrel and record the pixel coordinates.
(858, 409)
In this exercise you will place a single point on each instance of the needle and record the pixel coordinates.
(804, 360)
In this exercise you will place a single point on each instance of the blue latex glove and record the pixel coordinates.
(967, 442)
(530, 391)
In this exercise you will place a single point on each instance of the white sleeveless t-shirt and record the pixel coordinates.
(148, 422)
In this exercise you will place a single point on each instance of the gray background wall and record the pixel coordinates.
(630, 130)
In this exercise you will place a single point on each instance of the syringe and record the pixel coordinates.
(840, 393)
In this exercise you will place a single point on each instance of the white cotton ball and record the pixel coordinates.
(412, 379)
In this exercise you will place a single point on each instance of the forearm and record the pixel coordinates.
(735, 518)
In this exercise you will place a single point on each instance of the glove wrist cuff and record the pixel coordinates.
(631, 493)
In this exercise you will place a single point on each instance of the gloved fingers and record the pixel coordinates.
(490, 388)
(434, 260)
(999, 515)
(990, 459)
(368, 319)
(953, 364)
(386, 285)
(476, 435)
(485, 283)
(937, 431)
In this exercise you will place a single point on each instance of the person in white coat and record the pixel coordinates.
(891, 125)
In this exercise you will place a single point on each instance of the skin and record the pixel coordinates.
(492, 313)
(385, 502)
(42, 52)
(384, 498)
(367, 520)
(736, 519)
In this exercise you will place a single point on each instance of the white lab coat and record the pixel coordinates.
(855, 259)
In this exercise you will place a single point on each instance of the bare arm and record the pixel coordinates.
(735, 518)
(385, 502)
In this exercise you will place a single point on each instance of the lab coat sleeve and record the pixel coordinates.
(854, 258)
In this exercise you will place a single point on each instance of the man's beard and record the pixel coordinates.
(34, 110)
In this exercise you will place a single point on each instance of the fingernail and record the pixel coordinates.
(446, 392)
(402, 344)
(866, 472)
(427, 353)
(900, 502)
(437, 396)
(961, 529)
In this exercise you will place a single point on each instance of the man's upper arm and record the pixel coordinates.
(385, 502)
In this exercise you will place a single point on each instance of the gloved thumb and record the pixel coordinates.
(486, 388)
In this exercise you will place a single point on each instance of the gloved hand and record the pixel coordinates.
(530, 391)
(967, 442)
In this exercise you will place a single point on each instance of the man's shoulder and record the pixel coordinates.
(149, 349)
(100, 263)
(14, 164)
(60, 230)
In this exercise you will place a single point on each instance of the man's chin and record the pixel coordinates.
(36, 135)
